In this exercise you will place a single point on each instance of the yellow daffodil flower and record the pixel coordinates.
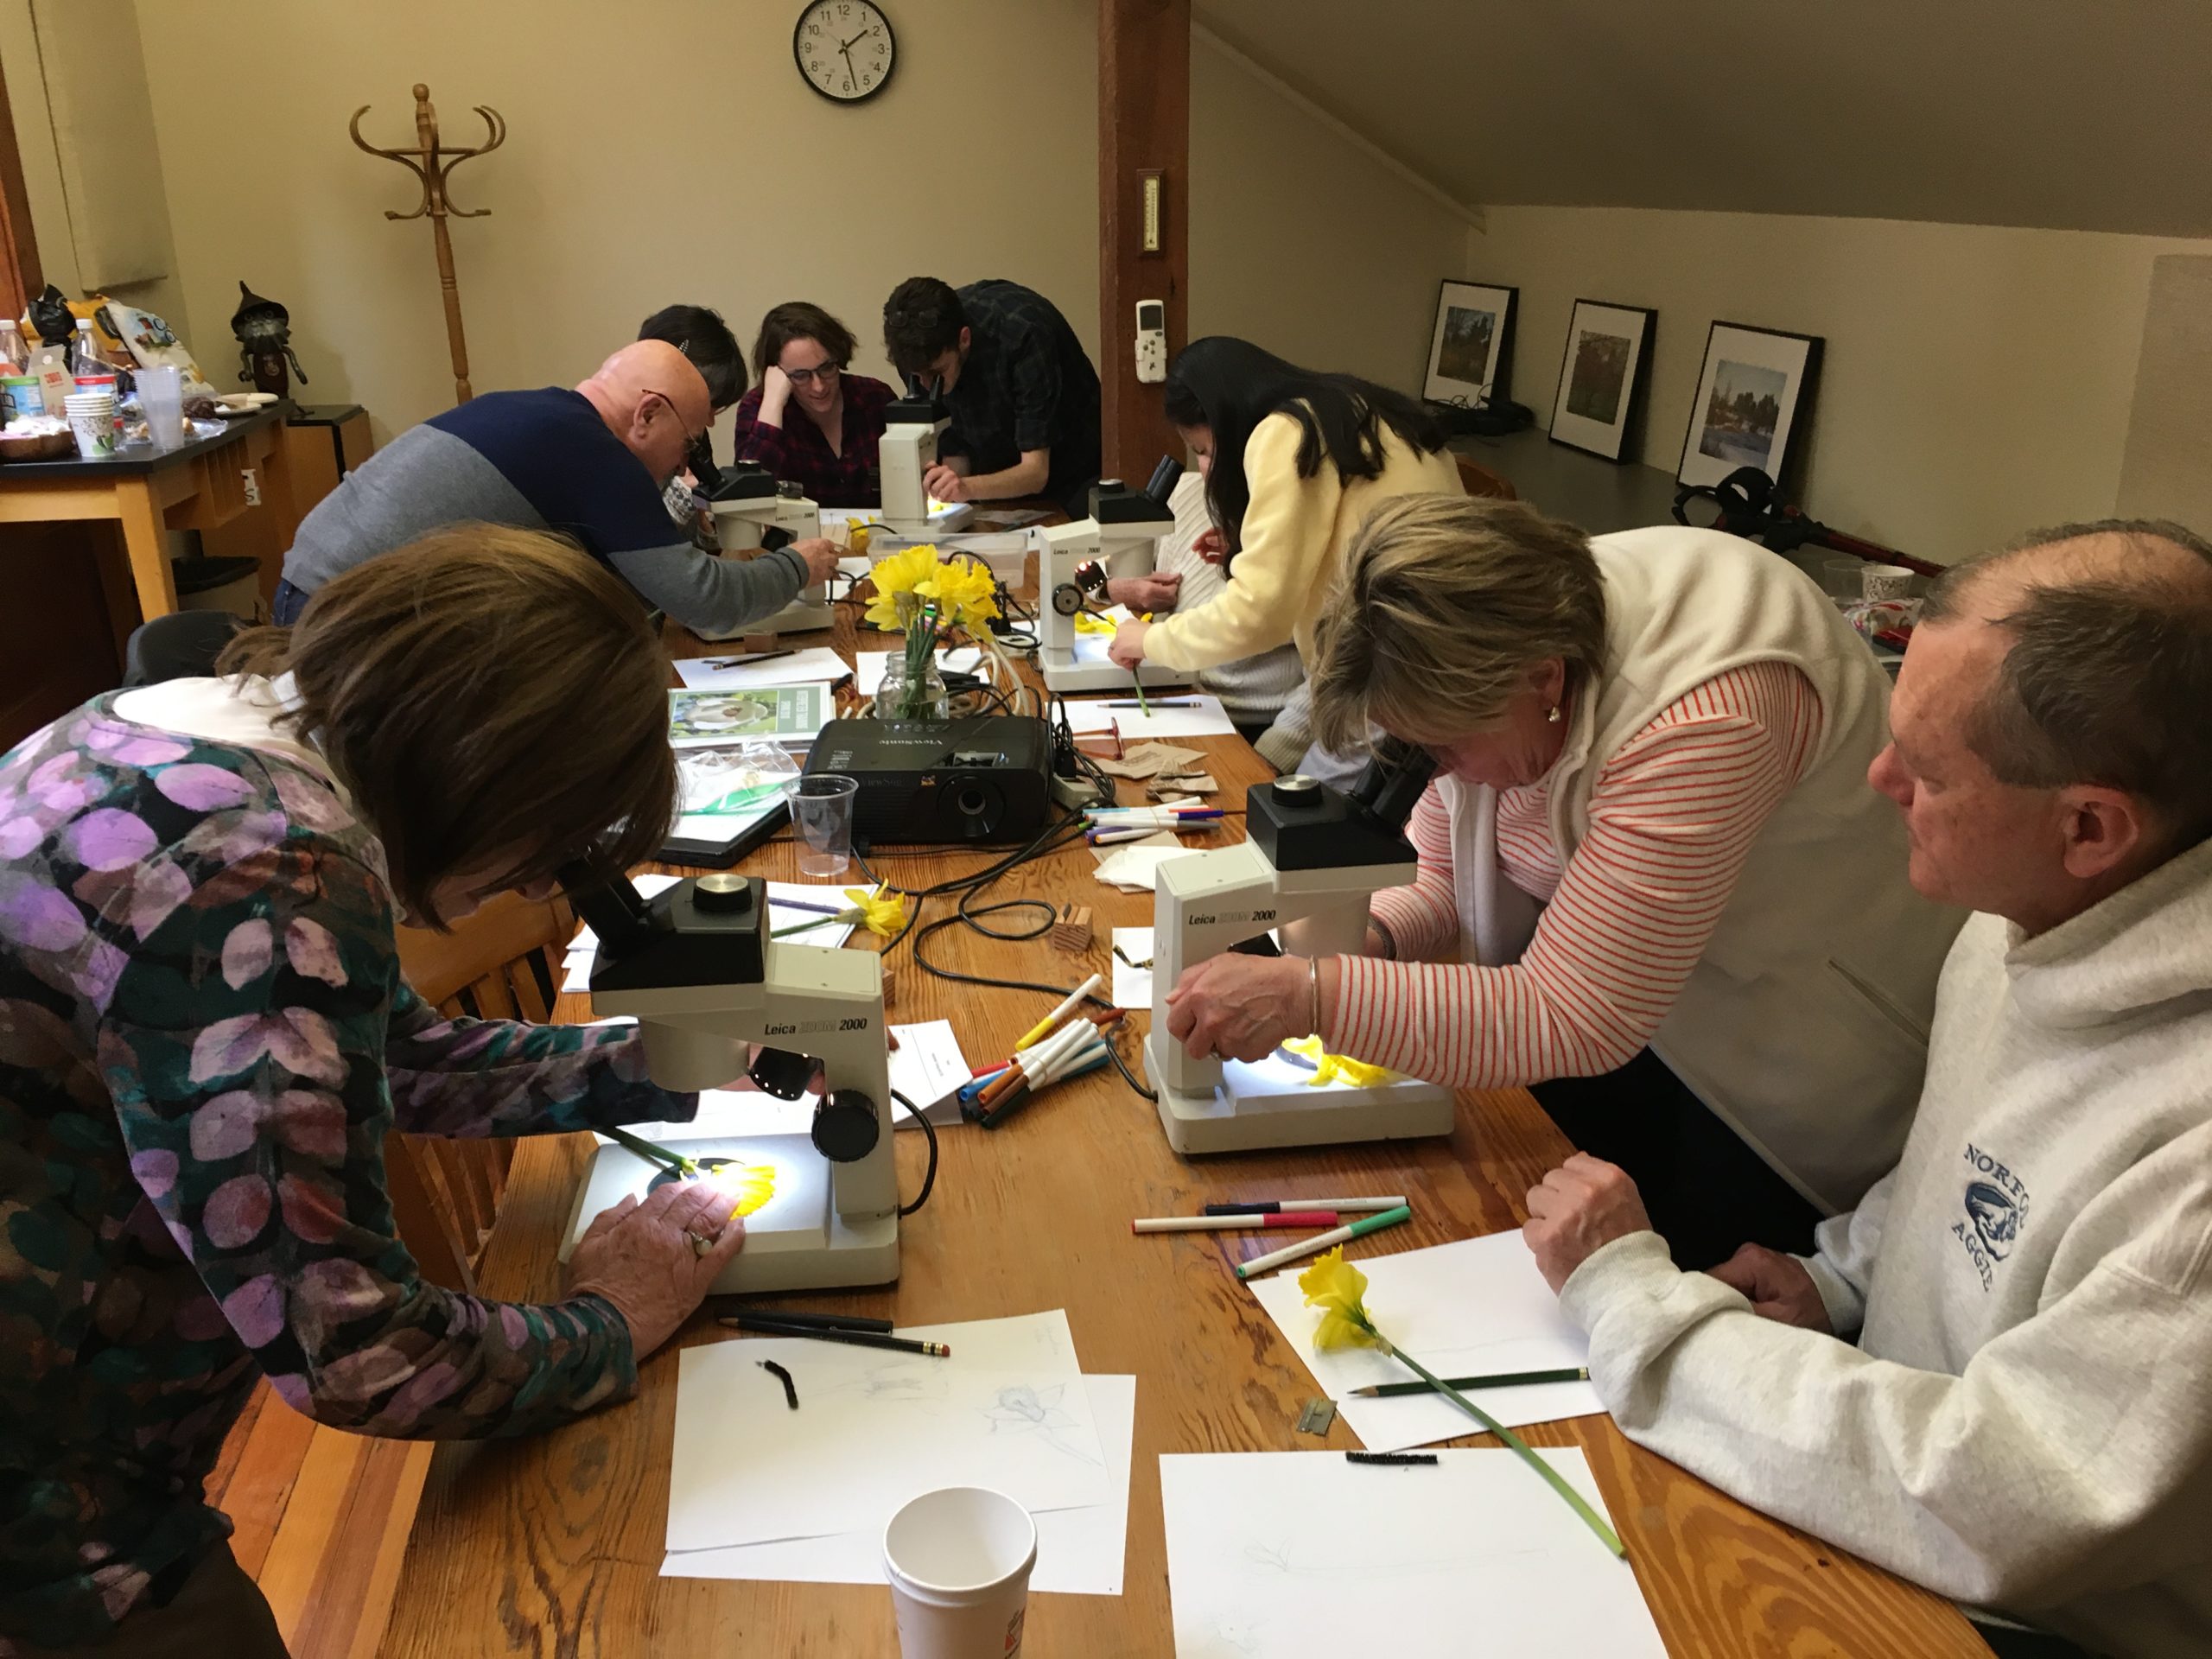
(749, 1187)
(1332, 1068)
(1092, 622)
(901, 579)
(965, 592)
(1334, 1285)
(882, 913)
(856, 538)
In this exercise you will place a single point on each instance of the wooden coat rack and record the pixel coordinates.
(433, 164)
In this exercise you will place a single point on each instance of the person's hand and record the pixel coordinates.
(775, 394)
(1240, 1007)
(820, 555)
(943, 484)
(1776, 1286)
(641, 1257)
(1583, 1205)
(1211, 545)
(1141, 594)
(1128, 649)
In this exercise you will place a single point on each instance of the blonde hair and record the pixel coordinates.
(1441, 605)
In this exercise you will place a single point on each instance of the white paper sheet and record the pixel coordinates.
(1466, 1309)
(1301, 1556)
(867, 666)
(1203, 717)
(1133, 865)
(1132, 986)
(926, 1067)
(874, 1428)
(1079, 1552)
(816, 663)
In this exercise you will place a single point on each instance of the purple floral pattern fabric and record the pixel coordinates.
(204, 1038)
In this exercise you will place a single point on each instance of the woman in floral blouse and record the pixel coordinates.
(204, 1038)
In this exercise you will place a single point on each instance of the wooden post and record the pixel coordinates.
(1144, 127)
(20, 281)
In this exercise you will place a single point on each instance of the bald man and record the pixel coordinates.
(588, 464)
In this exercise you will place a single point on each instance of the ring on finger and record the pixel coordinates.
(701, 1243)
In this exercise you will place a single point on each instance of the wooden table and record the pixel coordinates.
(198, 486)
(553, 1546)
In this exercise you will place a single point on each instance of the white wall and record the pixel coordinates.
(662, 150)
(1301, 241)
(1976, 380)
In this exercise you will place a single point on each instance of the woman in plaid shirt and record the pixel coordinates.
(808, 422)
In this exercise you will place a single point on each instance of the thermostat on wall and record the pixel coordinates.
(1152, 341)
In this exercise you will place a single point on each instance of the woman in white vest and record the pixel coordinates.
(1654, 882)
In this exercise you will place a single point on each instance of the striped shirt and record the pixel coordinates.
(1673, 817)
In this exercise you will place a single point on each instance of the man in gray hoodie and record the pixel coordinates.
(1995, 1376)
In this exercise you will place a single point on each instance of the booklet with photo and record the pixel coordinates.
(787, 713)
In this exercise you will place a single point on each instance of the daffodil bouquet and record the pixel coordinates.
(1338, 1288)
(925, 596)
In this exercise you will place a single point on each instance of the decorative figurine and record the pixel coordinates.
(264, 331)
(432, 162)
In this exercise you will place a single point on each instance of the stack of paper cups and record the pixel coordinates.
(959, 1560)
(91, 418)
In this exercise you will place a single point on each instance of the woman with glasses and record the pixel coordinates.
(809, 422)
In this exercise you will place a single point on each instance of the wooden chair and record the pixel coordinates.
(504, 963)
(1480, 480)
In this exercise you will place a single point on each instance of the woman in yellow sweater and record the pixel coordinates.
(1294, 460)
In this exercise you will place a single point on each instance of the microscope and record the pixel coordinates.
(1314, 855)
(905, 455)
(1074, 562)
(697, 967)
(753, 513)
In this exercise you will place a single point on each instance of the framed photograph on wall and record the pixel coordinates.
(1602, 377)
(1755, 390)
(1471, 353)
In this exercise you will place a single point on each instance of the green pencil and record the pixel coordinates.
(1500, 1380)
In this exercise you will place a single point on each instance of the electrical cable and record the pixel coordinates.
(929, 1174)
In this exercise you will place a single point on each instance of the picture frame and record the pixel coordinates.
(1471, 348)
(1604, 375)
(1754, 394)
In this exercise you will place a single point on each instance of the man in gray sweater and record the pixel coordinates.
(588, 464)
(1994, 1376)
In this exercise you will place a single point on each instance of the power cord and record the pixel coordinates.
(929, 1175)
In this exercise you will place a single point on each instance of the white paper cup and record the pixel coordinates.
(1886, 581)
(94, 430)
(959, 1560)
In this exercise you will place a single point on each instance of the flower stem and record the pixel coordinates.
(845, 916)
(1591, 1518)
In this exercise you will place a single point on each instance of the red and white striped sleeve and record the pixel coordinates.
(1423, 919)
(1672, 819)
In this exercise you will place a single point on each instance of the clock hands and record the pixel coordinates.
(848, 45)
(852, 75)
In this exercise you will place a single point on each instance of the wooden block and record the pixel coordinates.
(755, 644)
(889, 980)
(1072, 931)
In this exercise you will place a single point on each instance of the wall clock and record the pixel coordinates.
(844, 49)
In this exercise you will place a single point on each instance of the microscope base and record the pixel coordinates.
(1272, 1103)
(797, 1241)
(1108, 676)
(798, 617)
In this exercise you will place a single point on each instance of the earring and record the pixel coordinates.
(1552, 719)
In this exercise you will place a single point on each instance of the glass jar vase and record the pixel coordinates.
(904, 696)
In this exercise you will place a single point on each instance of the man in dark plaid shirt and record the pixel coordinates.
(1023, 394)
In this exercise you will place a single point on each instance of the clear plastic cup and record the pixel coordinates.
(1843, 578)
(161, 395)
(821, 810)
(959, 1560)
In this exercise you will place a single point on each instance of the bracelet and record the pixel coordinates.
(1314, 980)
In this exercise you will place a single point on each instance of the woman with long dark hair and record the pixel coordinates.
(1294, 460)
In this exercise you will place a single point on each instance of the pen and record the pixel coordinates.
(1323, 1240)
(1147, 708)
(1233, 1223)
(1022, 1095)
(775, 903)
(822, 1321)
(1038, 1031)
(856, 1339)
(1497, 1380)
(1268, 1206)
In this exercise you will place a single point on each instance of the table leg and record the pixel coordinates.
(277, 494)
(147, 545)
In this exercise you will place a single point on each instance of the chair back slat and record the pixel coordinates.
(1480, 480)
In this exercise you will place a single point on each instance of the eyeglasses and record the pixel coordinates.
(689, 436)
(825, 373)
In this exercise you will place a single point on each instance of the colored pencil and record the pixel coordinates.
(1323, 1240)
(1497, 1380)
(1267, 1206)
(856, 1339)
(1233, 1223)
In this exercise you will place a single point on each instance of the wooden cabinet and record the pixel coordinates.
(323, 441)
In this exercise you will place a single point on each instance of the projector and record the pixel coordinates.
(986, 778)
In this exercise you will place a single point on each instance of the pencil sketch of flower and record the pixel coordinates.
(1024, 1410)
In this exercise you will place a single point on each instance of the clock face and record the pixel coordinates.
(844, 48)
